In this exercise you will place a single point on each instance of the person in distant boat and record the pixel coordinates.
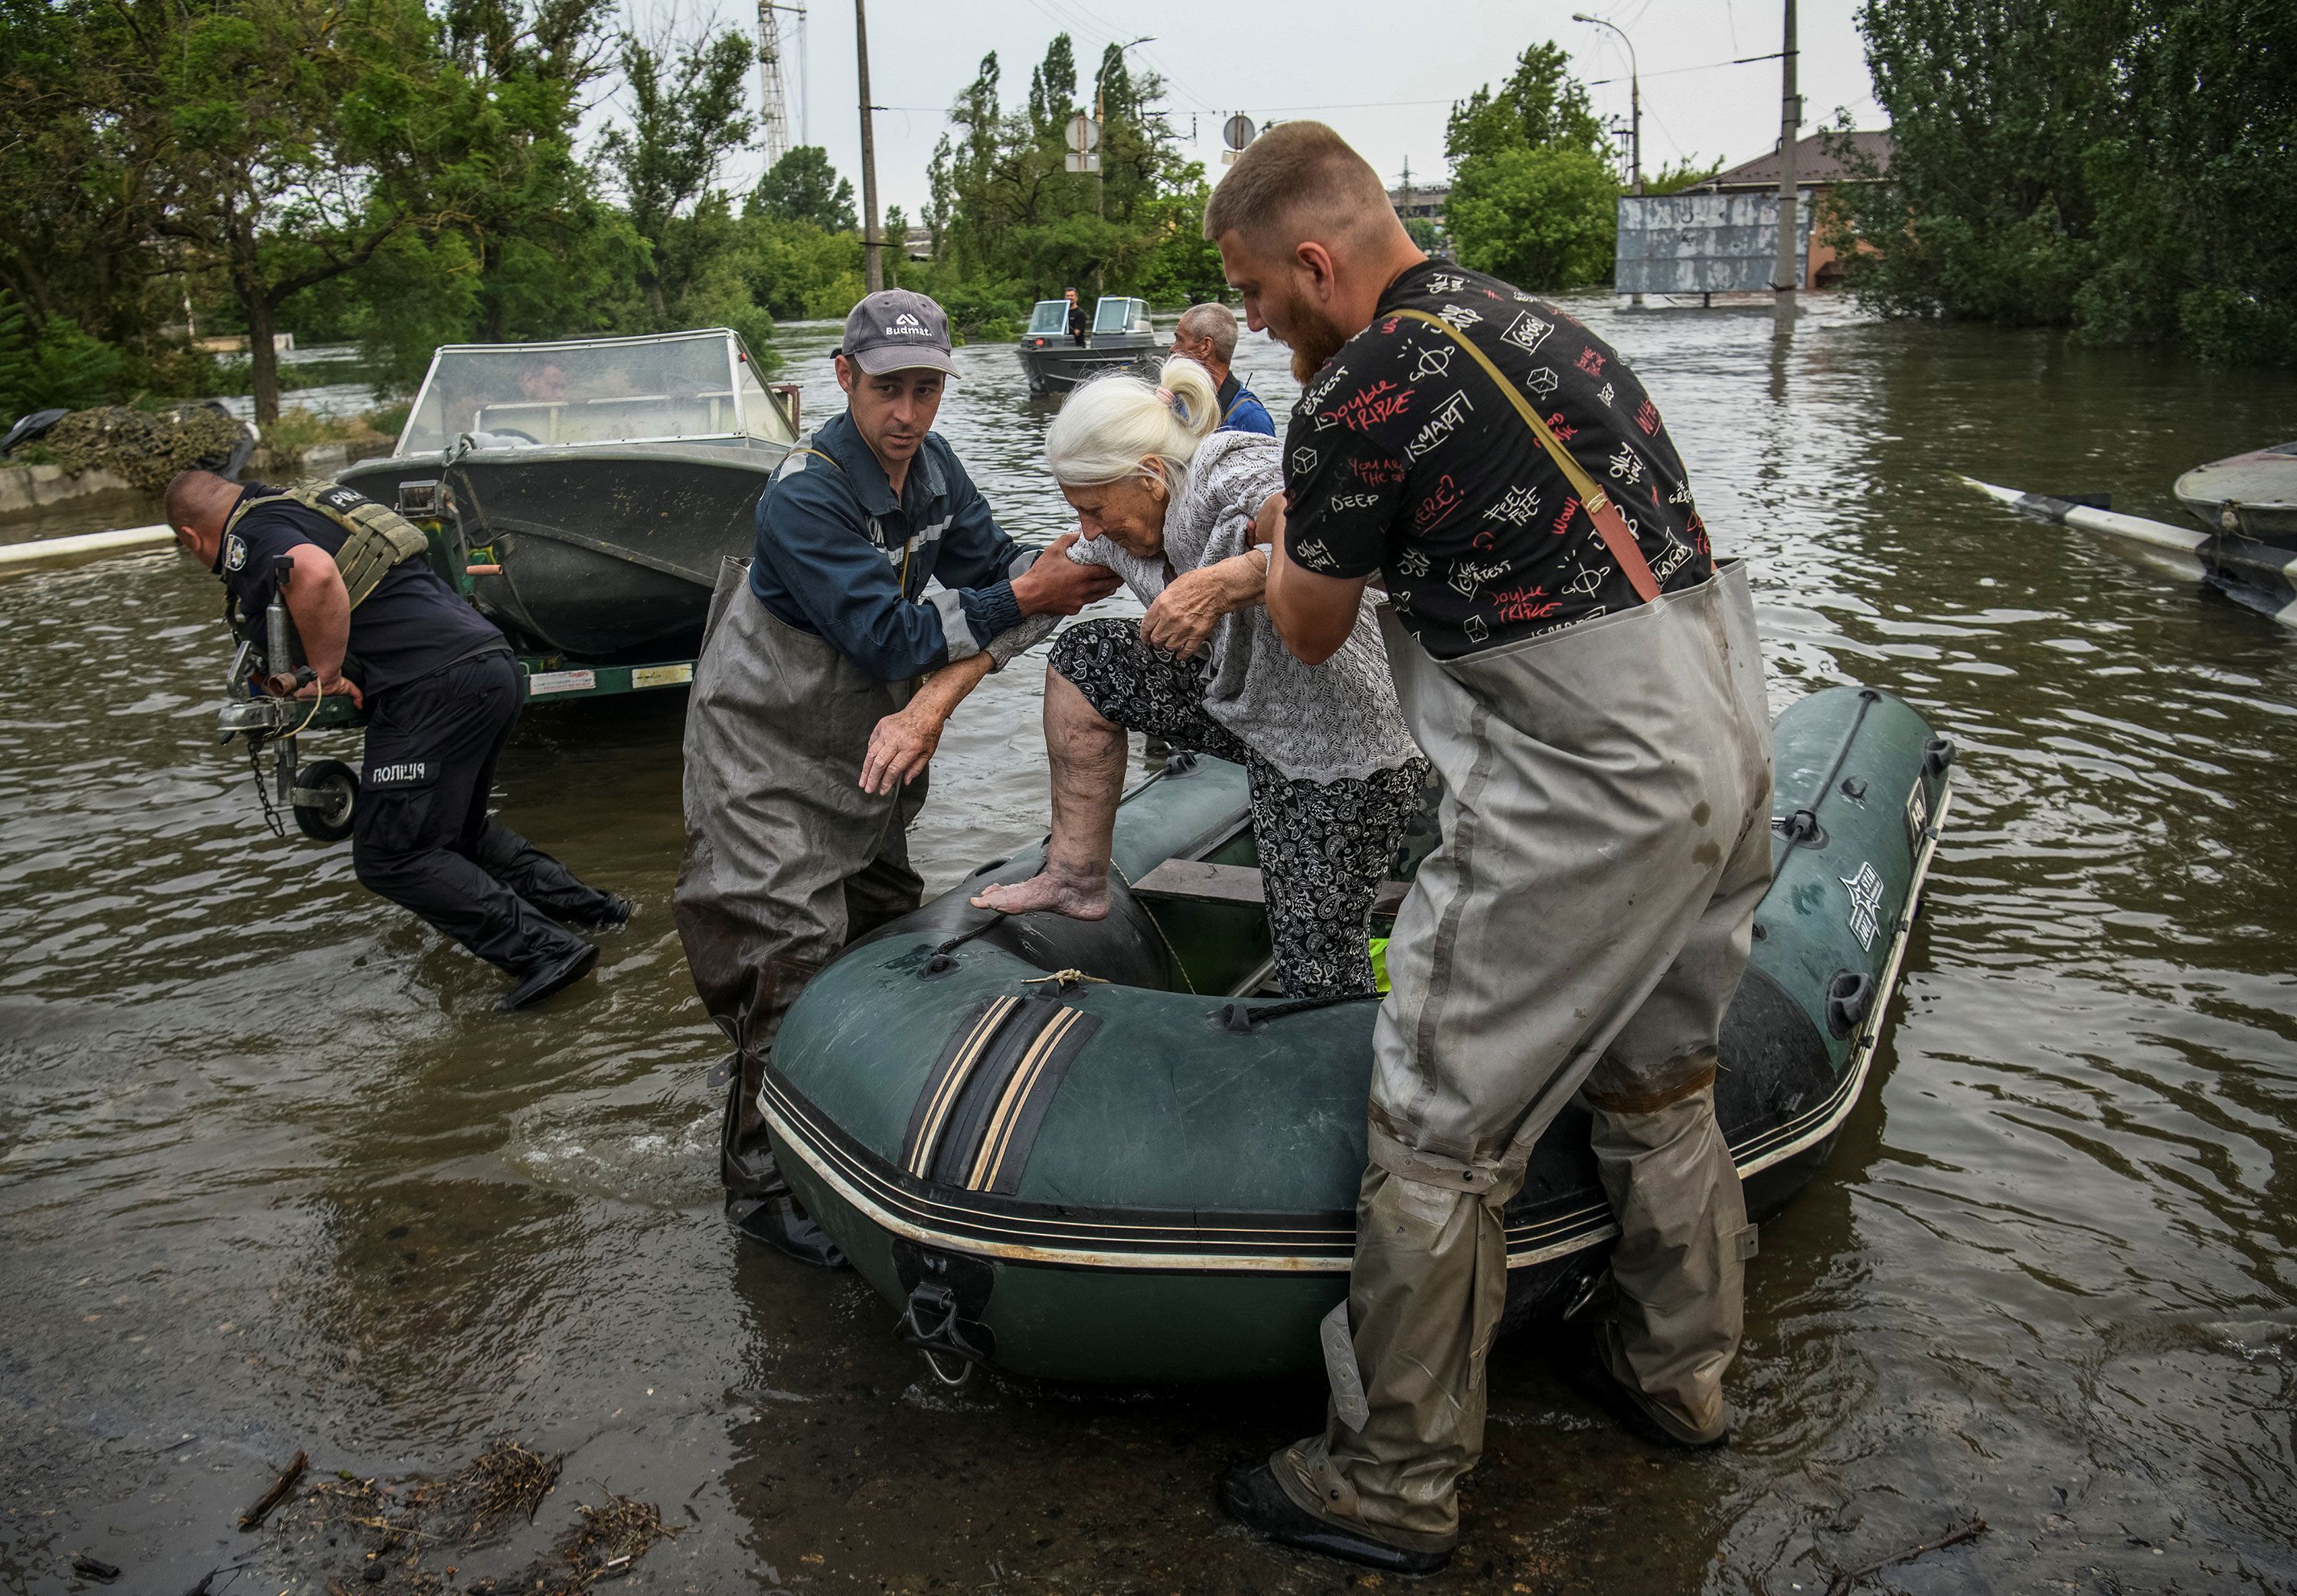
(1170, 503)
(1079, 319)
(375, 624)
(826, 675)
(1586, 679)
(1207, 335)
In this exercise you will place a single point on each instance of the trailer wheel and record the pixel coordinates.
(327, 793)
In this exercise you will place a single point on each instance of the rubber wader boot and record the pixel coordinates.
(611, 914)
(758, 1199)
(1254, 1498)
(552, 977)
(1678, 1273)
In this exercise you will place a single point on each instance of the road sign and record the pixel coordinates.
(1084, 134)
(1239, 131)
(1080, 161)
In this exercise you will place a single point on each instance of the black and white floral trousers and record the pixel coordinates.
(1325, 846)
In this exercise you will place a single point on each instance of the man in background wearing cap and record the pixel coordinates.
(810, 730)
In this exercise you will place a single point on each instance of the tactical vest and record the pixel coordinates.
(376, 540)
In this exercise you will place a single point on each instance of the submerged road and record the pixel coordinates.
(274, 1176)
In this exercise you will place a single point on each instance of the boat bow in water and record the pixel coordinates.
(1072, 1149)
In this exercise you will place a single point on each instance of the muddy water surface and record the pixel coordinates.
(273, 1174)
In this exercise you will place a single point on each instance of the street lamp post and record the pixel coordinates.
(1635, 107)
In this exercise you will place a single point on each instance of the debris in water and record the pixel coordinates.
(270, 1498)
(95, 1568)
(609, 1540)
(504, 1480)
(1952, 1537)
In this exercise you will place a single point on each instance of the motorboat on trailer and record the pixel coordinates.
(2248, 504)
(1120, 340)
(1100, 1151)
(597, 482)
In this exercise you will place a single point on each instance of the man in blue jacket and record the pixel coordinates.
(826, 676)
(1207, 335)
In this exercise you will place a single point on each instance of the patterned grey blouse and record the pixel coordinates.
(1316, 723)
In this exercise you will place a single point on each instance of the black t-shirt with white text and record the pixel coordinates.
(411, 625)
(1404, 457)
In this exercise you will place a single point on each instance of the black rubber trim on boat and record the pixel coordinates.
(1009, 1130)
(972, 1038)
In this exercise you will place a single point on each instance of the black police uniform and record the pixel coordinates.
(442, 692)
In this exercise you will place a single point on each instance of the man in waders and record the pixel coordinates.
(1585, 680)
(441, 688)
(809, 732)
(1207, 335)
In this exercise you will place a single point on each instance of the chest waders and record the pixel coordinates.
(1579, 933)
(787, 859)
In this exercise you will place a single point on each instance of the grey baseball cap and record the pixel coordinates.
(895, 330)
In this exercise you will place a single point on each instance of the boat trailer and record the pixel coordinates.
(323, 794)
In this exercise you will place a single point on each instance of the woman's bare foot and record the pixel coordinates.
(1051, 891)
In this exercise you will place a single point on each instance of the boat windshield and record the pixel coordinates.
(1050, 316)
(599, 390)
(1121, 316)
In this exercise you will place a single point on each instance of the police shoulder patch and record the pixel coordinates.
(235, 553)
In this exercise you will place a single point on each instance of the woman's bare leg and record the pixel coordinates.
(1087, 751)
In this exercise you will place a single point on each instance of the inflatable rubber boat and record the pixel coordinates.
(1090, 1151)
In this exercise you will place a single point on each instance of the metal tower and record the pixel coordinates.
(773, 118)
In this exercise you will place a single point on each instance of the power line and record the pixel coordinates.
(1677, 71)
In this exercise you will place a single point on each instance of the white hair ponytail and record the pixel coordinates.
(1112, 426)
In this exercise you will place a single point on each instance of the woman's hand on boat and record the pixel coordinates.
(1194, 602)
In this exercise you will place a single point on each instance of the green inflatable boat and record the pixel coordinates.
(1090, 1151)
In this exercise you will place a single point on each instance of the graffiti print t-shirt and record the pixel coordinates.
(1404, 457)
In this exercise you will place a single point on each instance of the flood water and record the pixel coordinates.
(274, 1175)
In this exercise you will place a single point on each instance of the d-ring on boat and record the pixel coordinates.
(1083, 1150)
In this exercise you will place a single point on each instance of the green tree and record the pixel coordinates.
(283, 141)
(1005, 208)
(2120, 166)
(802, 186)
(1544, 218)
(50, 364)
(687, 115)
(1541, 105)
(1052, 89)
(1534, 196)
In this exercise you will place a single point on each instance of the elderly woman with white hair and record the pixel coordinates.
(1172, 505)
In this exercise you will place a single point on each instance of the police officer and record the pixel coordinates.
(375, 624)
(826, 679)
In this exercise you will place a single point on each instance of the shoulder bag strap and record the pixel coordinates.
(1609, 524)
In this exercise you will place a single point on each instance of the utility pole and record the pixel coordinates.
(1784, 278)
(1635, 107)
(872, 246)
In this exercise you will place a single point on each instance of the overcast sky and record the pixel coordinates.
(1384, 74)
